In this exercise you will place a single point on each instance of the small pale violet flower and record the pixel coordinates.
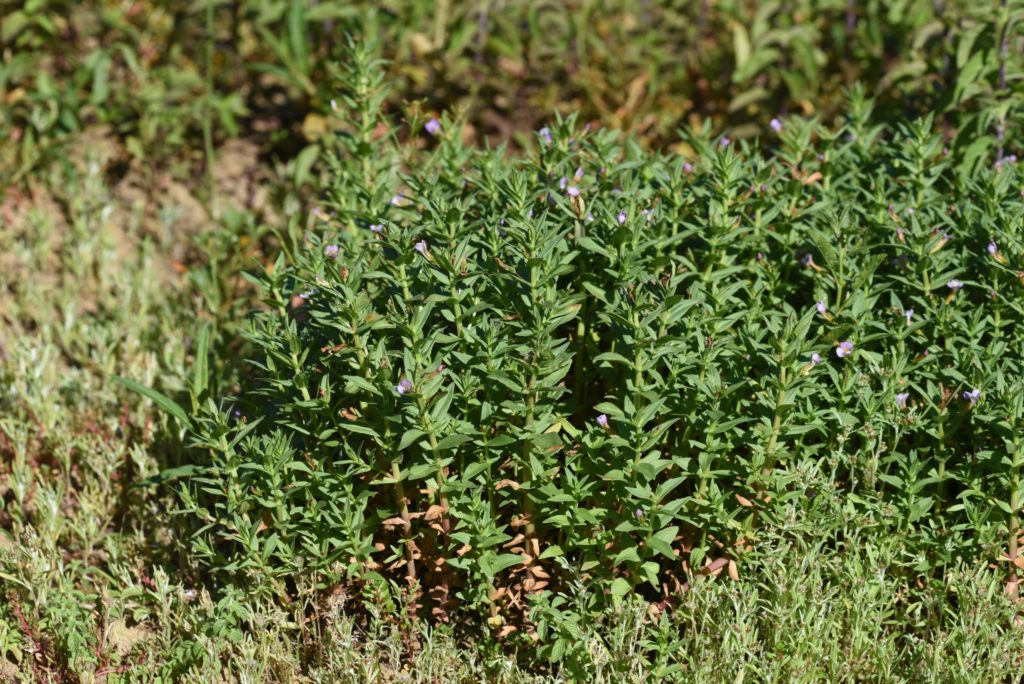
(403, 386)
(954, 284)
(621, 218)
(579, 173)
(433, 127)
(602, 420)
(901, 399)
(421, 247)
(972, 396)
(573, 191)
(545, 134)
(397, 199)
(910, 211)
(724, 141)
(590, 217)
(331, 251)
(908, 314)
(376, 228)
(776, 125)
(815, 358)
(992, 247)
(687, 167)
(820, 306)
(844, 349)
(639, 514)
(563, 183)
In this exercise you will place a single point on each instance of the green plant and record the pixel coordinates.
(598, 373)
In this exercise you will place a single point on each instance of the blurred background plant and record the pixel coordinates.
(159, 72)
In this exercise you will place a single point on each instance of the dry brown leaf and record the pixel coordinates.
(435, 512)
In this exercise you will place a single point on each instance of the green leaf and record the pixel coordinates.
(168, 405)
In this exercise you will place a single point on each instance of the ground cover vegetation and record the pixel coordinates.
(511, 342)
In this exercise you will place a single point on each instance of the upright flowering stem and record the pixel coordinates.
(1014, 522)
(403, 510)
(638, 378)
(531, 387)
(780, 400)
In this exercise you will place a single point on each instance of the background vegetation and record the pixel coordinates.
(616, 455)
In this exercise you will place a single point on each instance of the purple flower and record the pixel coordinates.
(397, 199)
(376, 228)
(687, 167)
(908, 314)
(972, 396)
(954, 284)
(545, 134)
(844, 349)
(579, 173)
(815, 358)
(590, 217)
(992, 247)
(639, 514)
(821, 157)
(760, 256)
(910, 211)
(901, 399)
(403, 386)
(820, 306)
(421, 247)
(724, 141)
(433, 127)
(762, 187)
(602, 420)
(573, 191)
(621, 218)
(562, 183)
(776, 125)
(331, 251)
(808, 260)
